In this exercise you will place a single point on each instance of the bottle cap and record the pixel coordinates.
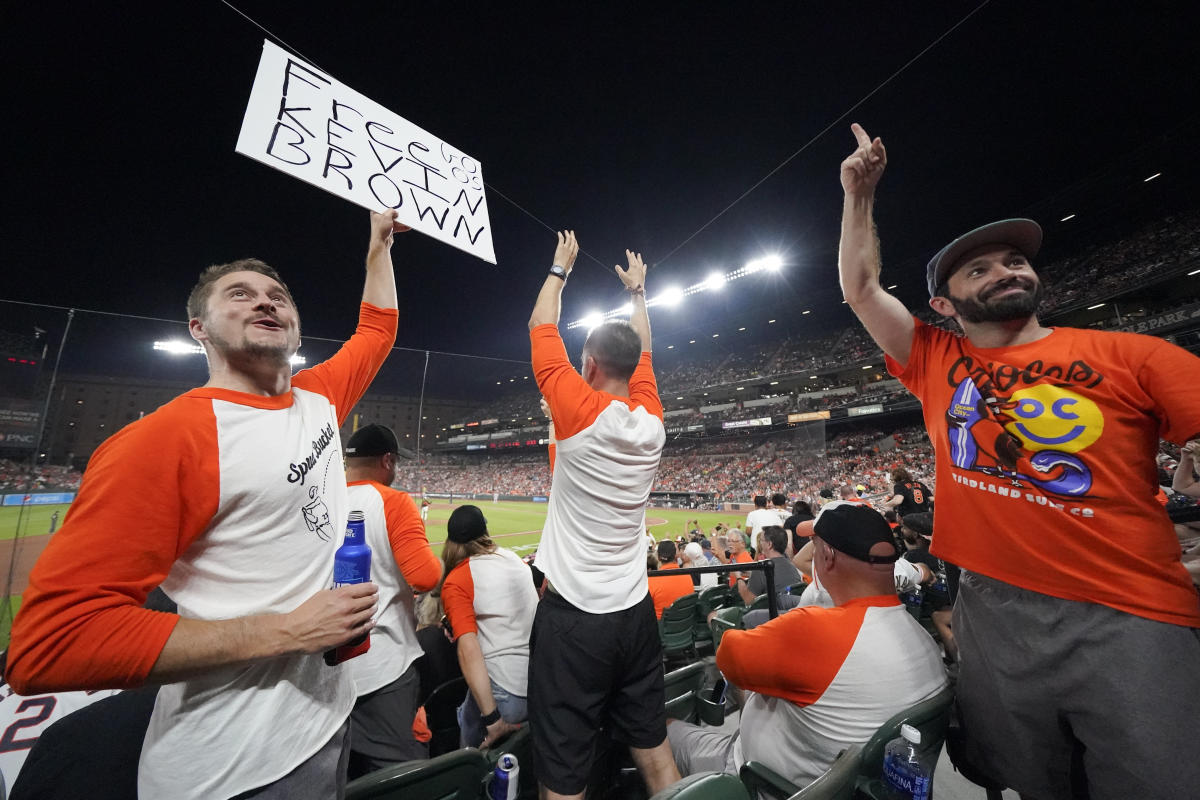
(910, 734)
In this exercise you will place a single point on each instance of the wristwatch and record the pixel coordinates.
(489, 719)
(558, 272)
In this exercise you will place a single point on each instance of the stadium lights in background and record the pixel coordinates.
(672, 296)
(177, 348)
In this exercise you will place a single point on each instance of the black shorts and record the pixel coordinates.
(587, 671)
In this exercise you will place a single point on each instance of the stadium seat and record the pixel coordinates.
(713, 597)
(931, 717)
(760, 604)
(705, 786)
(520, 744)
(726, 619)
(441, 715)
(837, 783)
(457, 775)
(677, 627)
(681, 687)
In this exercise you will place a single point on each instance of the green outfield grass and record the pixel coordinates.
(32, 520)
(7, 618)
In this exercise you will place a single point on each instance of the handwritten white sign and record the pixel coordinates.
(303, 122)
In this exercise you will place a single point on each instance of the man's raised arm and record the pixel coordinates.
(549, 300)
(380, 287)
(634, 278)
(884, 317)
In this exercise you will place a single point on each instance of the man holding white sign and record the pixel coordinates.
(307, 124)
(236, 498)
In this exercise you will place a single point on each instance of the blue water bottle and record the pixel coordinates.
(351, 564)
(505, 779)
(907, 771)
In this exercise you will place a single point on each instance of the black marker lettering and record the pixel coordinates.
(372, 127)
(375, 185)
(462, 223)
(429, 210)
(295, 145)
(462, 195)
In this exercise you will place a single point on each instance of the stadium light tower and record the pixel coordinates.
(668, 297)
(715, 281)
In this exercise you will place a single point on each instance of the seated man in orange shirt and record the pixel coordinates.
(666, 589)
(737, 548)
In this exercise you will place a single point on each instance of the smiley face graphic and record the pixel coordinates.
(1051, 417)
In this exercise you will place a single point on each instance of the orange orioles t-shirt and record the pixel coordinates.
(1045, 462)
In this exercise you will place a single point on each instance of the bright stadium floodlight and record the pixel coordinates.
(715, 281)
(670, 298)
(178, 348)
(297, 359)
(592, 320)
(772, 263)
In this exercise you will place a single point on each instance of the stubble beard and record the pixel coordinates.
(248, 352)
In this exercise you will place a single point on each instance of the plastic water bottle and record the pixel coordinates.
(505, 782)
(907, 772)
(351, 564)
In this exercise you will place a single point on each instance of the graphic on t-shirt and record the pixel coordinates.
(316, 515)
(1031, 436)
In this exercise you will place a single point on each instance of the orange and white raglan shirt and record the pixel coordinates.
(401, 562)
(1046, 477)
(858, 664)
(235, 504)
(604, 461)
(492, 596)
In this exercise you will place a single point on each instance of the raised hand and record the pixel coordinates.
(863, 168)
(634, 276)
(383, 225)
(567, 250)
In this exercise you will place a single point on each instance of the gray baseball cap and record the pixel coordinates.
(1023, 234)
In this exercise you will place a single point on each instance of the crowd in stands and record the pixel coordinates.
(20, 477)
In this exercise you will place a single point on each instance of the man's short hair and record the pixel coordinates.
(846, 490)
(197, 302)
(616, 347)
(779, 499)
(760, 501)
(666, 551)
(776, 536)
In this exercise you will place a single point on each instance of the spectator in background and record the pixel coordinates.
(490, 603)
(738, 554)
(774, 541)
(801, 512)
(693, 556)
(779, 506)
(909, 495)
(939, 580)
(666, 589)
(1184, 480)
(865, 660)
(760, 517)
(710, 559)
(596, 655)
(246, 552)
(385, 677)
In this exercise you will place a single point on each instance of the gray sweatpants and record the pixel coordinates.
(1056, 692)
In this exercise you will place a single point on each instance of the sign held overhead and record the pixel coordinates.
(303, 122)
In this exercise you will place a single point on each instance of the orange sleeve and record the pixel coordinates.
(573, 404)
(763, 659)
(419, 566)
(912, 374)
(550, 452)
(1169, 374)
(344, 378)
(148, 492)
(643, 389)
(458, 598)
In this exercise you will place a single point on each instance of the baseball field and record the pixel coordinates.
(517, 526)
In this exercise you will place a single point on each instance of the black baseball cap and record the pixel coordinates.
(466, 524)
(853, 529)
(1023, 234)
(921, 523)
(372, 440)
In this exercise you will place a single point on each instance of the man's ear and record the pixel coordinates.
(196, 329)
(942, 305)
(590, 368)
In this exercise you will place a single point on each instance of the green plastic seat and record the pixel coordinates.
(837, 783)
(680, 689)
(677, 627)
(441, 715)
(931, 717)
(705, 786)
(759, 604)
(520, 744)
(726, 619)
(456, 775)
(713, 597)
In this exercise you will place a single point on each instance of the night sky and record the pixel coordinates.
(634, 125)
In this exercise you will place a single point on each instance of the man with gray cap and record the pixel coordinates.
(864, 660)
(385, 677)
(1045, 438)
